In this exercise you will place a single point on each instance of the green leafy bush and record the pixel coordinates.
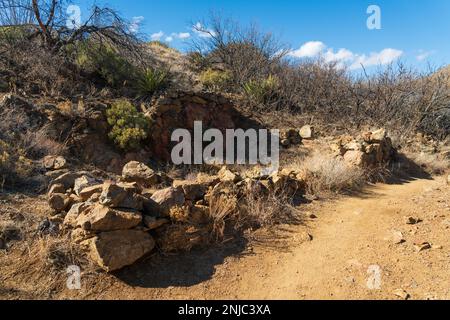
(105, 61)
(151, 81)
(215, 80)
(262, 91)
(128, 126)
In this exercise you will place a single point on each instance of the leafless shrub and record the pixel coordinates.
(431, 163)
(250, 209)
(269, 210)
(325, 174)
(38, 144)
(39, 50)
(223, 210)
(246, 53)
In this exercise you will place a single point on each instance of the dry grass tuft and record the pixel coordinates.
(325, 174)
(251, 209)
(430, 163)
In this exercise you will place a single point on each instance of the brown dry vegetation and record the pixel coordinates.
(103, 61)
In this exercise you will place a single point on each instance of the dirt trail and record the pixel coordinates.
(349, 235)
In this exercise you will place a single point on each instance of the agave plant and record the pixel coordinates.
(151, 81)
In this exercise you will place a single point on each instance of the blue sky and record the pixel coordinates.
(416, 31)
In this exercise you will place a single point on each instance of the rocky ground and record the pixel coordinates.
(140, 231)
(400, 229)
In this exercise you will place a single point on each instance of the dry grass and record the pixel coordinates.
(430, 163)
(252, 208)
(326, 174)
(38, 143)
(40, 266)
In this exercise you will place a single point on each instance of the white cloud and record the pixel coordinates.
(169, 39)
(344, 57)
(340, 56)
(184, 35)
(157, 36)
(135, 24)
(423, 55)
(308, 50)
(201, 31)
(383, 57)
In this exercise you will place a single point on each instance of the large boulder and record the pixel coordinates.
(58, 202)
(356, 158)
(67, 179)
(153, 223)
(117, 249)
(102, 218)
(166, 199)
(193, 190)
(75, 211)
(83, 182)
(138, 172)
(121, 196)
(56, 188)
(87, 192)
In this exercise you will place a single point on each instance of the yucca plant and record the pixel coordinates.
(151, 81)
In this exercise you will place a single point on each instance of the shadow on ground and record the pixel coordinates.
(405, 170)
(180, 270)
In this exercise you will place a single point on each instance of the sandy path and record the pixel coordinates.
(349, 236)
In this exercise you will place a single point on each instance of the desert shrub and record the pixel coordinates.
(241, 210)
(151, 81)
(106, 62)
(12, 34)
(324, 173)
(159, 44)
(128, 126)
(38, 143)
(261, 91)
(197, 62)
(15, 166)
(245, 52)
(430, 163)
(215, 80)
(43, 60)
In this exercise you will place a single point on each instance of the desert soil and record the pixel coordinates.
(333, 256)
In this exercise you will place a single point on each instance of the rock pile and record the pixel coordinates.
(371, 149)
(119, 222)
(293, 137)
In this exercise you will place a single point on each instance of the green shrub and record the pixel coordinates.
(215, 80)
(12, 34)
(262, 91)
(105, 61)
(128, 126)
(151, 81)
